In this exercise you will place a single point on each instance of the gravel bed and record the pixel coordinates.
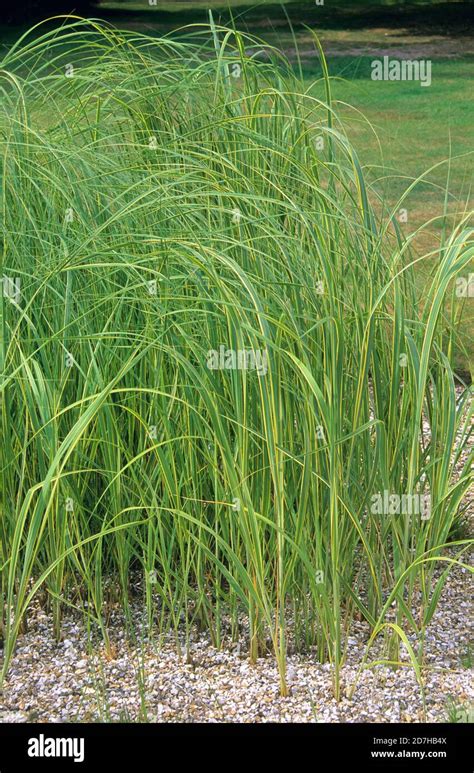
(76, 680)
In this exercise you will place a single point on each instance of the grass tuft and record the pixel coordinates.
(212, 359)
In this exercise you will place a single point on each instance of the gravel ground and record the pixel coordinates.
(77, 680)
(74, 681)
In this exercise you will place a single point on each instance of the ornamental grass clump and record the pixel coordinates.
(214, 369)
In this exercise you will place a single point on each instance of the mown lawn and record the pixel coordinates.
(406, 130)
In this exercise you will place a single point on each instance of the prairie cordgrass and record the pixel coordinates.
(165, 200)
